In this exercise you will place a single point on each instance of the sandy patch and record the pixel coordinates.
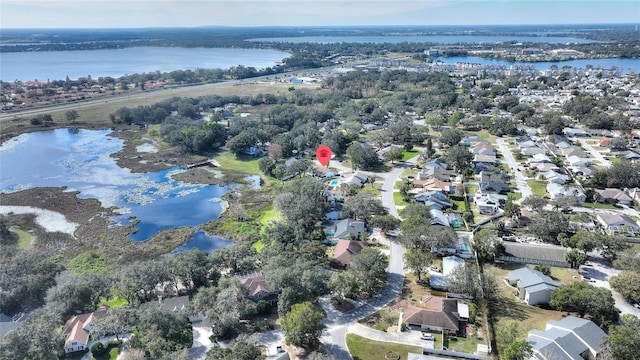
(51, 221)
(147, 148)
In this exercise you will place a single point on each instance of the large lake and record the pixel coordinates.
(81, 161)
(57, 65)
(439, 39)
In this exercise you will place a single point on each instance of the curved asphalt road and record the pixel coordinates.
(336, 322)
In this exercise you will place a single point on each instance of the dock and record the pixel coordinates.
(209, 162)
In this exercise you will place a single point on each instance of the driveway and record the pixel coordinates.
(521, 182)
(201, 342)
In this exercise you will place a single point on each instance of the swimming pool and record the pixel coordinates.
(334, 183)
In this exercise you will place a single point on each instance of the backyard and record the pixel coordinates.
(537, 187)
(365, 349)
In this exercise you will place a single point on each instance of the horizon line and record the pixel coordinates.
(309, 26)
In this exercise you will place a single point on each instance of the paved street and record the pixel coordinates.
(521, 182)
(599, 272)
(595, 153)
(337, 323)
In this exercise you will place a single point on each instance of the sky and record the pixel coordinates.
(194, 13)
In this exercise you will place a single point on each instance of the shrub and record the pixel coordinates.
(98, 348)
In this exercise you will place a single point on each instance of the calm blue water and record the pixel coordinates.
(81, 162)
(622, 64)
(441, 39)
(202, 241)
(57, 65)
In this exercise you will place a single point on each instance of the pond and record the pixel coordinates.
(81, 161)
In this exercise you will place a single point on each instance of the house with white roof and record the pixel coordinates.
(534, 287)
(557, 191)
(571, 338)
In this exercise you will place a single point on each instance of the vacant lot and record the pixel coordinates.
(365, 349)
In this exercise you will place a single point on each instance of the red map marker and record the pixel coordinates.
(323, 153)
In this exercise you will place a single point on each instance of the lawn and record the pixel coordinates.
(365, 349)
(112, 354)
(471, 189)
(515, 196)
(510, 309)
(466, 345)
(375, 189)
(459, 205)
(537, 187)
(113, 303)
(248, 165)
(24, 238)
(407, 155)
(597, 205)
(398, 200)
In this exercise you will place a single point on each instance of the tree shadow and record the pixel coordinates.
(510, 307)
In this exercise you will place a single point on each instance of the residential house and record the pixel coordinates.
(323, 173)
(7, 324)
(489, 204)
(574, 132)
(348, 228)
(578, 161)
(435, 173)
(635, 194)
(584, 171)
(470, 140)
(544, 167)
(180, 305)
(439, 163)
(571, 338)
(614, 196)
(436, 314)
(539, 158)
(492, 183)
(557, 191)
(436, 197)
(484, 159)
(77, 330)
(336, 193)
(574, 151)
(531, 150)
(619, 224)
(449, 264)
(343, 252)
(433, 184)
(533, 287)
(553, 176)
(356, 179)
(258, 289)
(439, 218)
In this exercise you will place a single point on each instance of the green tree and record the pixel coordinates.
(627, 283)
(512, 209)
(459, 157)
(362, 157)
(362, 206)
(450, 137)
(417, 260)
(575, 258)
(534, 202)
(369, 270)
(303, 326)
(385, 222)
(393, 154)
(582, 298)
(623, 341)
(517, 350)
(241, 142)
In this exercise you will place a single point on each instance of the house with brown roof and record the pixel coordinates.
(258, 289)
(77, 330)
(614, 196)
(435, 314)
(345, 249)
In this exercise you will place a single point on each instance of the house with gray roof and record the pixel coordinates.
(571, 338)
(348, 228)
(533, 287)
(619, 224)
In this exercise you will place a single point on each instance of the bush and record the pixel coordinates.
(543, 269)
(473, 312)
(98, 348)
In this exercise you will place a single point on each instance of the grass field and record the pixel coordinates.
(365, 349)
(466, 345)
(407, 155)
(228, 161)
(113, 303)
(24, 238)
(596, 205)
(537, 187)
